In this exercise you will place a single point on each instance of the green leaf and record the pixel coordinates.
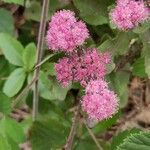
(121, 43)
(146, 50)
(110, 67)
(106, 45)
(87, 144)
(11, 130)
(119, 83)
(103, 125)
(50, 89)
(137, 141)
(33, 11)
(48, 134)
(118, 139)
(49, 68)
(29, 56)
(4, 145)
(12, 49)
(19, 2)
(142, 28)
(5, 68)
(94, 12)
(139, 68)
(6, 22)
(14, 82)
(5, 104)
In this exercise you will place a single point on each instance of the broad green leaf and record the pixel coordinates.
(12, 49)
(14, 82)
(29, 56)
(146, 50)
(19, 2)
(94, 12)
(11, 130)
(6, 22)
(139, 68)
(137, 141)
(119, 83)
(5, 104)
(50, 89)
(48, 134)
(4, 145)
(118, 139)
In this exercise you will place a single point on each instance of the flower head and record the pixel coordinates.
(129, 13)
(88, 66)
(99, 102)
(65, 32)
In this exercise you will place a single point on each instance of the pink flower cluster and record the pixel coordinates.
(65, 32)
(99, 102)
(86, 66)
(129, 13)
(90, 65)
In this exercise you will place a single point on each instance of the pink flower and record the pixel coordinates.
(88, 66)
(128, 14)
(65, 32)
(64, 72)
(99, 102)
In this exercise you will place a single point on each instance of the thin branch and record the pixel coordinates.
(43, 61)
(24, 91)
(72, 133)
(39, 56)
(93, 136)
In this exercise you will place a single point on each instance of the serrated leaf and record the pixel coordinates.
(94, 12)
(137, 141)
(12, 49)
(14, 82)
(19, 2)
(29, 56)
(118, 139)
(5, 104)
(6, 22)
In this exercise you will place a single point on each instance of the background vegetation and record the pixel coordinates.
(127, 75)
